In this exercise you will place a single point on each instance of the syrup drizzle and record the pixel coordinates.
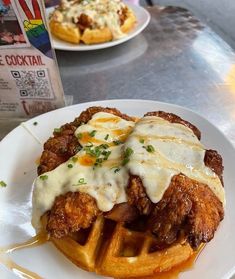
(175, 272)
(17, 269)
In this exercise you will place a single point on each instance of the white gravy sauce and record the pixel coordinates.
(160, 151)
(103, 13)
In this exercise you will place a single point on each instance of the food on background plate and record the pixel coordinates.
(127, 198)
(91, 21)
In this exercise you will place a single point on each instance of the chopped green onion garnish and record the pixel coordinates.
(81, 181)
(3, 184)
(125, 161)
(74, 159)
(106, 137)
(79, 135)
(43, 177)
(57, 130)
(105, 146)
(116, 170)
(141, 141)
(35, 123)
(127, 153)
(117, 142)
(149, 148)
(70, 166)
(92, 133)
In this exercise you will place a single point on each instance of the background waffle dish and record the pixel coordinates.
(142, 20)
(73, 32)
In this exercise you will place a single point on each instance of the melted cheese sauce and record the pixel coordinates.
(173, 149)
(160, 151)
(103, 13)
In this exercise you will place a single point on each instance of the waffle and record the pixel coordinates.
(113, 249)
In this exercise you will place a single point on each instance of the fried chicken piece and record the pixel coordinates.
(84, 22)
(70, 213)
(59, 148)
(136, 196)
(123, 15)
(122, 212)
(214, 161)
(187, 207)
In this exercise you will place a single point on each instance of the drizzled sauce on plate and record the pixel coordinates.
(17, 269)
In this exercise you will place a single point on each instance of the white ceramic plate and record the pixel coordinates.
(18, 153)
(142, 16)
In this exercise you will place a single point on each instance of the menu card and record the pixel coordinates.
(30, 83)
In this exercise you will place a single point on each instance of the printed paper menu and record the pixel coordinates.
(29, 78)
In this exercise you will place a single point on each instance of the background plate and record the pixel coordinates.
(142, 16)
(22, 147)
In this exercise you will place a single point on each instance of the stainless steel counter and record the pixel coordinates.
(176, 59)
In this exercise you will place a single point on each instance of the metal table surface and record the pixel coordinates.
(177, 59)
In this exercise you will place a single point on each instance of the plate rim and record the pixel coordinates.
(101, 45)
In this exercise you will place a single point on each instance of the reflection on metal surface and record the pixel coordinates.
(207, 47)
(92, 62)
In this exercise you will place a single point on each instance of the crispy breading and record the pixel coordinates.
(137, 196)
(71, 212)
(214, 161)
(189, 208)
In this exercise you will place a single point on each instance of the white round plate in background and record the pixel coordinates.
(143, 18)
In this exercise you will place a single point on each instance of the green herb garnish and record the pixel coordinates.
(35, 123)
(74, 159)
(92, 133)
(44, 177)
(3, 184)
(117, 142)
(149, 148)
(105, 146)
(57, 130)
(127, 153)
(79, 136)
(141, 141)
(70, 166)
(106, 137)
(81, 181)
(100, 152)
(116, 170)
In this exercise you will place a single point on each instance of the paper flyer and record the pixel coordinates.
(30, 83)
